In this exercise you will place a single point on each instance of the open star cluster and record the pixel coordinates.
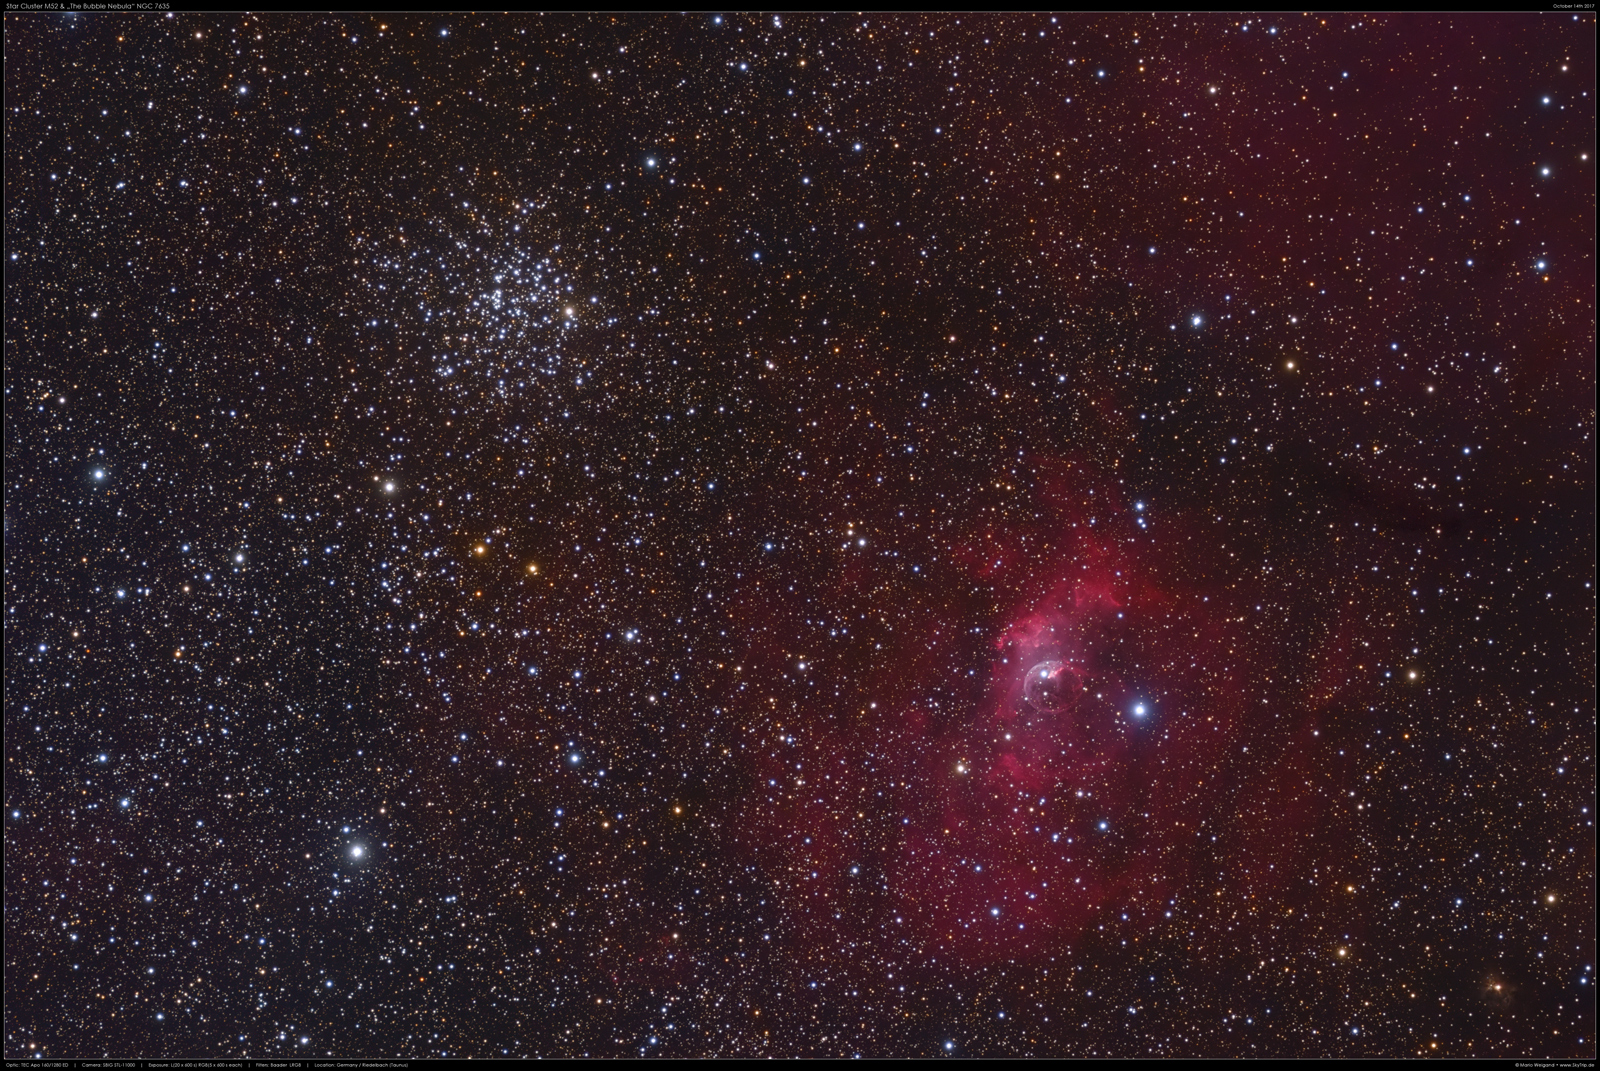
(749, 535)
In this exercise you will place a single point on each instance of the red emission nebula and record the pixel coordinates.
(783, 535)
(1121, 735)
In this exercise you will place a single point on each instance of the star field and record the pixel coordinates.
(799, 536)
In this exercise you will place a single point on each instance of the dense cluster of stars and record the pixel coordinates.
(756, 535)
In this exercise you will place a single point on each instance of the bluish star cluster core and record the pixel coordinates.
(796, 535)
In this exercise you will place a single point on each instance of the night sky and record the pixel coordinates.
(750, 535)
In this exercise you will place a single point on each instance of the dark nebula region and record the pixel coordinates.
(786, 535)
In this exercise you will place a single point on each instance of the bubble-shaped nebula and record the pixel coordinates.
(1052, 687)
